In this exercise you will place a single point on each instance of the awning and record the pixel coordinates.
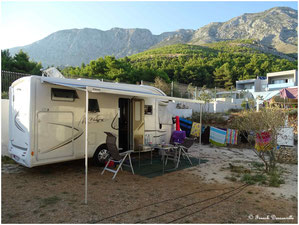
(116, 89)
(265, 95)
(289, 93)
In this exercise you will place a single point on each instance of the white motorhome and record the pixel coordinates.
(47, 118)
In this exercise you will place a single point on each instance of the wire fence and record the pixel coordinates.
(174, 89)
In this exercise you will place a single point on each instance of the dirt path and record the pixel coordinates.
(55, 194)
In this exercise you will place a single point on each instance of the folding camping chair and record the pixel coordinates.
(179, 150)
(116, 157)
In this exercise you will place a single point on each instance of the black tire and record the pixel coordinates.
(101, 155)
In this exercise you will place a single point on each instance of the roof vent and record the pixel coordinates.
(52, 72)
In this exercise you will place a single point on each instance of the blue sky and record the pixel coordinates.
(26, 22)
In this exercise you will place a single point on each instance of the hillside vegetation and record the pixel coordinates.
(218, 64)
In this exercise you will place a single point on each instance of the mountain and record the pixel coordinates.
(276, 27)
(274, 30)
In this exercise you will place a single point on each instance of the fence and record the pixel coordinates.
(7, 78)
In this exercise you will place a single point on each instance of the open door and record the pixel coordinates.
(124, 124)
(138, 122)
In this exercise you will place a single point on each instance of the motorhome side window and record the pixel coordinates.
(58, 94)
(93, 105)
(148, 110)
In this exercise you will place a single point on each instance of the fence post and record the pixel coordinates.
(215, 106)
(171, 88)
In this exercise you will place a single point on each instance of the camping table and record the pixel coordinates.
(145, 148)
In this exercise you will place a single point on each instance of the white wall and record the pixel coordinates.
(208, 107)
(4, 126)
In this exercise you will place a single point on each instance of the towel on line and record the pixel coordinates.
(262, 141)
(217, 136)
(186, 126)
(195, 130)
(231, 136)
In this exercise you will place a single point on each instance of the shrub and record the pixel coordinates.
(269, 120)
(209, 118)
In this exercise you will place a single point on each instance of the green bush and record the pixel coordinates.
(234, 110)
(275, 179)
(252, 179)
(4, 95)
(209, 118)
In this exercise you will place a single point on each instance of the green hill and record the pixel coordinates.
(217, 64)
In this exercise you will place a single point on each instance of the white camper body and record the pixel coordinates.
(47, 118)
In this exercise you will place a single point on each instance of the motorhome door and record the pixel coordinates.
(138, 123)
(124, 124)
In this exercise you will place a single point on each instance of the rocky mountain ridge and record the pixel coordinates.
(275, 29)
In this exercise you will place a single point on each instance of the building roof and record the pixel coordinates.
(245, 81)
(266, 95)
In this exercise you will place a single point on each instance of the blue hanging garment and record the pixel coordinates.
(186, 126)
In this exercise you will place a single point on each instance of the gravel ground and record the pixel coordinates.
(55, 194)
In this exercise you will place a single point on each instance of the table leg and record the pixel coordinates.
(178, 159)
(151, 156)
(139, 159)
(163, 160)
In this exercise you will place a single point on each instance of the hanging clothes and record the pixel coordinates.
(217, 136)
(244, 137)
(195, 130)
(205, 136)
(186, 126)
(164, 116)
(263, 141)
(231, 136)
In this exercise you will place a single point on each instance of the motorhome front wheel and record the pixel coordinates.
(101, 155)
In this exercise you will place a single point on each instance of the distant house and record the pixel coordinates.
(252, 85)
(283, 79)
(267, 87)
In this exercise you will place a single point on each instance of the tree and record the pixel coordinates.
(205, 96)
(6, 60)
(19, 63)
(223, 76)
(268, 120)
(162, 85)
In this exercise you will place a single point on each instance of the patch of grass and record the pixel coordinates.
(238, 169)
(275, 179)
(253, 179)
(258, 165)
(231, 178)
(7, 160)
(50, 200)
